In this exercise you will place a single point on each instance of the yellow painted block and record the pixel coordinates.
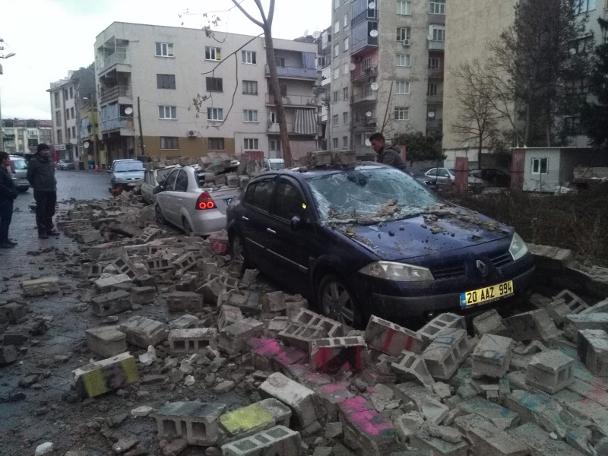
(106, 375)
(246, 419)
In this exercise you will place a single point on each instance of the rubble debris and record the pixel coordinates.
(592, 348)
(106, 341)
(40, 287)
(111, 303)
(107, 375)
(143, 332)
(106, 284)
(448, 349)
(278, 440)
(443, 321)
(233, 339)
(487, 439)
(8, 355)
(392, 339)
(413, 366)
(44, 448)
(550, 371)
(308, 326)
(184, 301)
(565, 303)
(253, 418)
(536, 324)
(194, 421)
(575, 323)
(540, 442)
(492, 356)
(489, 322)
(193, 340)
(340, 353)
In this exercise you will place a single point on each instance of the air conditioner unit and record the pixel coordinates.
(191, 133)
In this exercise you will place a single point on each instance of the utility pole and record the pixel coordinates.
(141, 134)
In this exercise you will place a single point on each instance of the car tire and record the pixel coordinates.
(239, 253)
(23, 189)
(337, 302)
(160, 218)
(186, 227)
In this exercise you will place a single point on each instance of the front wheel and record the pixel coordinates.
(186, 227)
(337, 302)
(160, 219)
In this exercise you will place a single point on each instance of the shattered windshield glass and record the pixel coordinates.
(369, 195)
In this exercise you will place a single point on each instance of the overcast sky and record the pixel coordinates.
(51, 37)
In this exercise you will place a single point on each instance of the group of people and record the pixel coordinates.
(41, 176)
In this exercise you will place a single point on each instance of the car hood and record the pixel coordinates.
(435, 232)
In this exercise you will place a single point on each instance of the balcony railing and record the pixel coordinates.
(295, 72)
(119, 56)
(117, 124)
(369, 123)
(274, 128)
(364, 97)
(293, 100)
(112, 93)
(436, 45)
(436, 73)
(363, 74)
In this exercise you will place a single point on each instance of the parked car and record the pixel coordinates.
(273, 164)
(127, 173)
(152, 178)
(492, 176)
(65, 165)
(371, 239)
(182, 201)
(445, 176)
(19, 172)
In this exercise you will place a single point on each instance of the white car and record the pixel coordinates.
(182, 201)
(152, 178)
(443, 176)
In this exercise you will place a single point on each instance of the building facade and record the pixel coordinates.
(22, 136)
(181, 92)
(387, 69)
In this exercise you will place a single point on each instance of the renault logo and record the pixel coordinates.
(482, 268)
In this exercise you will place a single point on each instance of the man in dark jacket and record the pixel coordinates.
(8, 193)
(41, 174)
(389, 155)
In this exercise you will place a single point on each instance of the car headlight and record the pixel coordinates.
(518, 248)
(398, 272)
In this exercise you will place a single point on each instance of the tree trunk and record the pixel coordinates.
(479, 149)
(275, 90)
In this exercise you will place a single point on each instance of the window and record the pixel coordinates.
(65, 94)
(181, 183)
(337, 27)
(164, 49)
(335, 96)
(71, 92)
(259, 194)
(215, 114)
(403, 60)
(251, 144)
(67, 114)
(336, 50)
(248, 57)
(74, 133)
(404, 7)
(58, 117)
(437, 33)
(165, 81)
(345, 117)
(59, 136)
(434, 63)
(337, 74)
(345, 93)
(346, 44)
(250, 87)
(335, 143)
(274, 145)
(403, 34)
(345, 141)
(213, 53)
(437, 7)
(539, 165)
(250, 115)
(167, 112)
(273, 117)
(215, 85)
(290, 200)
(72, 115)
(432, 90)
(56, 94)
(216, 143)
(336, 120)
(402, 113)
(403, 87)
(345, 23)
(68, 134)
(280, 61)
(169, 142)
(346, 68)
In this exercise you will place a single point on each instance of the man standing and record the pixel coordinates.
(41, 174)
(8, 193)
(389, 155)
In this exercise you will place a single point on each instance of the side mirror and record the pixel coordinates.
(296, 223)
(158, 189)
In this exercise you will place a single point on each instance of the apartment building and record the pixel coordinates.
(324, 49)
(63, 111)
(387, 69)
(21, 136)
(183, 92)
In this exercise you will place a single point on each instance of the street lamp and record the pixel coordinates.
(8, 56)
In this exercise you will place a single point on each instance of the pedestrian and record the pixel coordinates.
(41, 174)
(8, 193)
(389, 155)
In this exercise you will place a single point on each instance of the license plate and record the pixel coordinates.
(486, 294)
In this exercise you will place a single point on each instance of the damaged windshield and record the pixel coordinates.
(369, 194)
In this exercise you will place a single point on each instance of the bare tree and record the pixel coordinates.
(477, 118)
(265, 23)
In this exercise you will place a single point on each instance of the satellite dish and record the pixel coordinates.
(86, 144)
(373, 33)
(353, 67)
(368, 114)
(129, 111)
(431, 114)
(371, 5)
(374, 86)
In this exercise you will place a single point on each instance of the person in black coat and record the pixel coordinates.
(41, 175)
(8, 193)
(389, 155)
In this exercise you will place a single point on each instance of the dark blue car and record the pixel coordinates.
(369, 239)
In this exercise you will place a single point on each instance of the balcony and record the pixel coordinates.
(286, 72)
(120, 56)
(113, 93)
(367, 124)
(436, 45)
(436, 73)
(293, 100)
(362, 38)
(365, 97)
(361, 74)
(435, 99)
(118, 123)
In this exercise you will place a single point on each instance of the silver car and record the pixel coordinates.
(152, 178)
(182, 201)
(127, 173)
(19, 172)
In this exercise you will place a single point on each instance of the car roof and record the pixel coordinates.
(307, 173)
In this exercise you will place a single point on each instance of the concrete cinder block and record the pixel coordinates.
(192, 340)
(40, 287)
(392, 339)
(429, 405)
(446, 352)
(270, 355)
(106, 284)
(533, 325)
(106, 341)
(492, 356)
(253, 418)
(233, 339)
(575, 323)
(550, 371)
(412, 366)
(334, 354)
(111, 303)
(365, 430)
(329, 396)
(211, 291)
(143, 332)
(308, 326)
(442, 321)
(184, 262)
(540, 442)
(279, 441)
(499, 416)
(565, 303)
(489, 322)
(298, 397)
(184, 301)
(12, 313)
(274, 302)
(600, 307)
(592, 348)
(194, 421)
(107, 375)
(142, 295)
(186, 321)
(487, 439)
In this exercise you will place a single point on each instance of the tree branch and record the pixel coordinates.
(249, 16)
(271, 13)
(262, 13)
(232, 53)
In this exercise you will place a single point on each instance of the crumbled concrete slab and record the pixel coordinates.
(550, 371)
(106, 341)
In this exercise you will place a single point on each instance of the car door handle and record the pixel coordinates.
(271, 231)
(245, 219)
